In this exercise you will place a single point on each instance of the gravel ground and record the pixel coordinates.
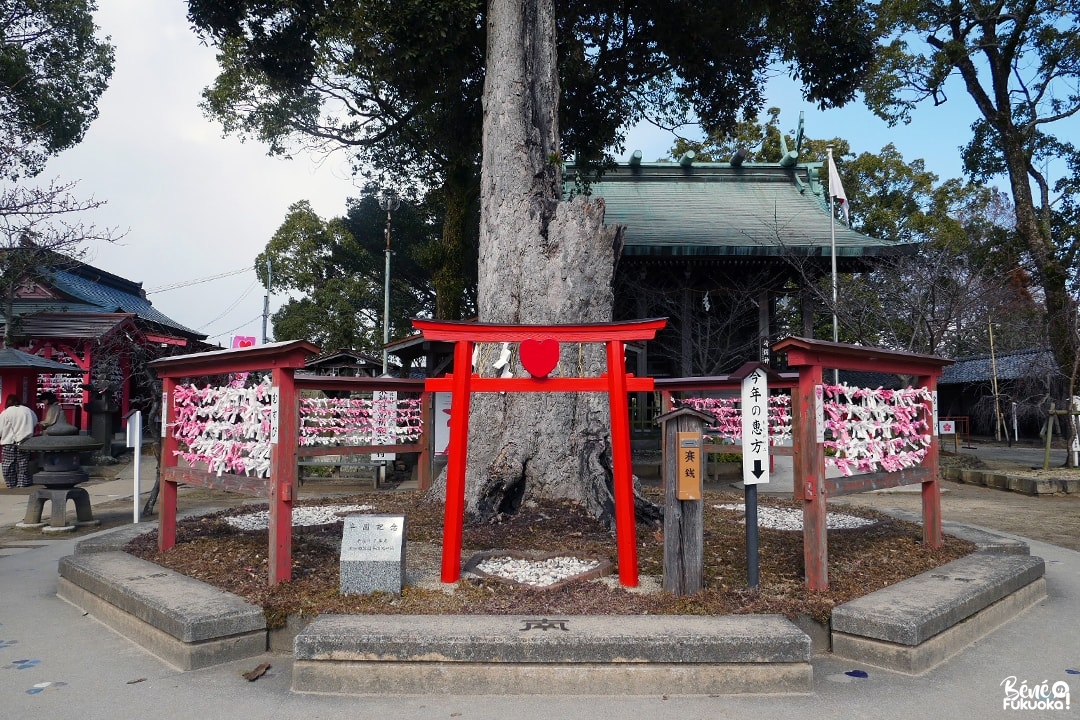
(861, 559)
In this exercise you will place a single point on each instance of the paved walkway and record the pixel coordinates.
(55, 661)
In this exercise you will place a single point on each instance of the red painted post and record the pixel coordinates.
(931, 489)
(457, 454)
(282, 477)
(809, 474)
(426, 441)
(167, 519)
(625, 522)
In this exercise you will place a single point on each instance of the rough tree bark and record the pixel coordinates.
(542, 261)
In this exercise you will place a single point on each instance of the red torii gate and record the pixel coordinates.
(538, 339)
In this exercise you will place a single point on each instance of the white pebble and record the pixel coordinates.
(792, 519)
(539, 573)
(322, 515)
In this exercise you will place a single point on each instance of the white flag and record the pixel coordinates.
(837, 190)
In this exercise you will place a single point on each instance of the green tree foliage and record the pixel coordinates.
(336, 271)
(53, 69)
(967, 272)
(759, 140)
(1019, 61)
(970, 268)
(398, 82)
(395, 83)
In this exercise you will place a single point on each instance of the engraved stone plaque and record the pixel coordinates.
(372, 554)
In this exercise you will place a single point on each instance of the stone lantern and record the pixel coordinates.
(58, 452)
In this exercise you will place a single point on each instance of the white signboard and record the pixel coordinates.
(819, 413)
(934, 405)
(384, 422)
(134, 440)
(275, 413)
(755, 428)
(946, 427)
(442, 422)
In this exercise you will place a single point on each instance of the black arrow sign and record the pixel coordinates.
(757, 471)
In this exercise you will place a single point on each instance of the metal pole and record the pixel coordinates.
(386, 298)
(389, 203)
(832, 253)
(832, 258)
(266, 299)
(998, 422)
(750, 503)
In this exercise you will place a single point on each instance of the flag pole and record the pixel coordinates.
(832, 257)
(832, 249)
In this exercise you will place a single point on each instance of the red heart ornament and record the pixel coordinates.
(245, 343)
(539, 357)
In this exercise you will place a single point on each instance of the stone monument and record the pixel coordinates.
(372, 554)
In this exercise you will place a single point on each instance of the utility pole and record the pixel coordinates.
(388, 203)
(266, 299)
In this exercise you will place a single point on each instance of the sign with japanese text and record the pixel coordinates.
(275, 413)
(690, 466)
(384, 422)
(819, 414)
(372, 538)
(755, 428)
(934, 405)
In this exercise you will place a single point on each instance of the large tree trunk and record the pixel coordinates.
(542, 261)
(1051, 273)
(449, 278)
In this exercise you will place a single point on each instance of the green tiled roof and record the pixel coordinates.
(714, 209)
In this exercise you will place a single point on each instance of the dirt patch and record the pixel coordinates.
(860, 561)
(1053, 519)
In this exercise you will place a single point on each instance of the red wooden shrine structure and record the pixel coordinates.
(282, 360)
(810, 358)
(539, 353)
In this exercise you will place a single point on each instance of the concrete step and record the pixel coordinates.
(187, 623)
(572, 655)
(918, 623)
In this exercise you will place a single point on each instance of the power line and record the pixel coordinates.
(231, 307)
(188, 283)
(230, 332)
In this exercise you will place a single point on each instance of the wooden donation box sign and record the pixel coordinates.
(690, 466)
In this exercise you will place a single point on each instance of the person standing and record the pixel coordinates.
(17, 423)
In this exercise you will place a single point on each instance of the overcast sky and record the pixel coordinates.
(195, 204)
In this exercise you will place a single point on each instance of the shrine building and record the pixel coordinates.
(103, 325)
(733, 254)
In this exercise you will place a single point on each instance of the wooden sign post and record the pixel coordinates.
(755, 444)
(684, 468)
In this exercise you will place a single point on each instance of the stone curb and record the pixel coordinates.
(190, 625)
(987, 541)
(914, 610)
(597, 655)
(1014, 483)
(187, 623)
